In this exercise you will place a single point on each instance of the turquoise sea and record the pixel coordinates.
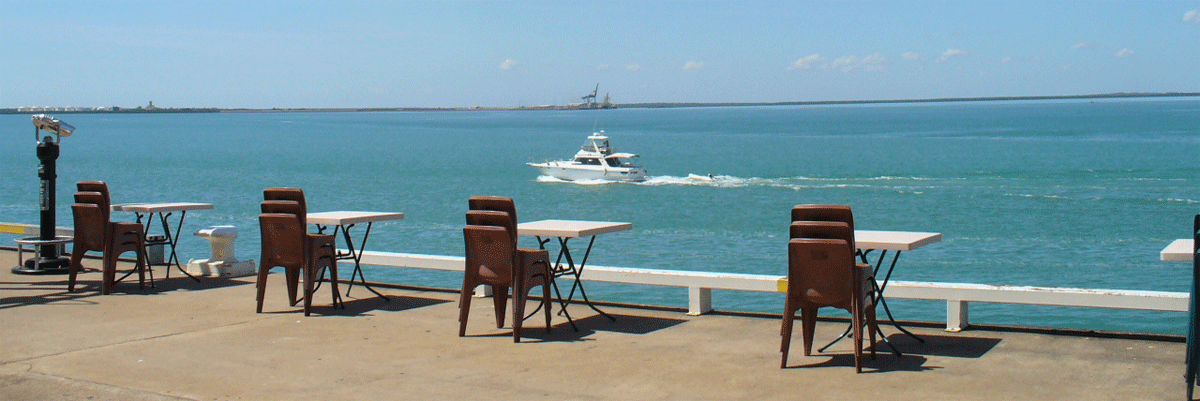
(1062, 193)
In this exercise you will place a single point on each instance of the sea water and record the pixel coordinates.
(1053, 193)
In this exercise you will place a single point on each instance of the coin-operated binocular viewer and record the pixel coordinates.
(49, 246)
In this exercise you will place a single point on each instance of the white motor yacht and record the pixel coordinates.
(595, 160)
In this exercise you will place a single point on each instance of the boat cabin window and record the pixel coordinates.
(589, 161)
(595, 146)
(613, 162)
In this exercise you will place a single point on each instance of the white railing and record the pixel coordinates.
(956, 295)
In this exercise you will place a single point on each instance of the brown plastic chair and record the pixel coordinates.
(288, 194)
(818, 212)
(287, 244)
(99, 187)
(94, 232)
(494, 203)
(492, 258)
(823, 273)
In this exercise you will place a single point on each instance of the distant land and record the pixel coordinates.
(77, 110)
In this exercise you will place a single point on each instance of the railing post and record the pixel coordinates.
(699, 301)
(956, 315)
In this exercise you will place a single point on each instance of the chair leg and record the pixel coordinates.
(872, 327)
(76, 265)
(519, 297)
(808, 321)
(310, 274)
(857, 322)
(546, 301)
(109, 273)
(500, 299)
(142, 259)
(333, 284)
(293, 283)
(262, 285)
(464, 306)
(785, 344)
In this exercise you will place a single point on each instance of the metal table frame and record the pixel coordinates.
(343, 221)
(164, 210)
(564, 231)
(868, 241)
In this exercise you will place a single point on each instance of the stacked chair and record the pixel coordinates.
(822, 272)
(492, 258)
(287, 243)
(94, 231)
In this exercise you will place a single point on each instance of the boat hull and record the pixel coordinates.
(577, 172)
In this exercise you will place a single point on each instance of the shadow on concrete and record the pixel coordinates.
(372, 303)
(627, 324)
(53, 288)
(950, 346)
(883, 363)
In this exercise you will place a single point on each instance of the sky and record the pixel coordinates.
(333, 54)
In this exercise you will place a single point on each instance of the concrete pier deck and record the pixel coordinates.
(203, 341)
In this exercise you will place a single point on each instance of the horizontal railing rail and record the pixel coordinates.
(957, 296)
(31, 229)
(700, 285)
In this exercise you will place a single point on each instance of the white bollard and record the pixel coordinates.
(222, 261)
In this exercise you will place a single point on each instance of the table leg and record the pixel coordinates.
(173, 239)
(555, 272)
(356, 256)
(577, 271)
(879, 292)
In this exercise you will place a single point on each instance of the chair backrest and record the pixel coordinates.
(495, 219)
(98, 187)
(839, 213)
(822, 230)
(93, 186)
(494, 203)
(286, 194)
(821, 271)
(91, 225)
(281, 206)
(489, 254)
(283, 237)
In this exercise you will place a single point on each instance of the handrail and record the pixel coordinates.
(956, 295)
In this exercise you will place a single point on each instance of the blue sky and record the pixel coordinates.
(264, 54)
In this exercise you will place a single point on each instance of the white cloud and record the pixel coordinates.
(1081, 45)
(1123, 53)
(1192, 16)
(911, 56)
(602, 67)
(845, 62)
(949, 53)
(633, 67)
(508, 64)
(693, 65)
(874, 62)
(808, 62)
(1006, 59)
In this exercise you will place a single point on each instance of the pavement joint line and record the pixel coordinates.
(131, 341)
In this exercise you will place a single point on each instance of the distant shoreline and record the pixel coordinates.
(616, 105)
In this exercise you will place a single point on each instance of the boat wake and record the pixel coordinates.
(728, 181)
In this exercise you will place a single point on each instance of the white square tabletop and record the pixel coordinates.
(161, 207)
(570, 228)
(893, 240)
(341, 218)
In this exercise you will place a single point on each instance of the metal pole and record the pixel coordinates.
(49, 259)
